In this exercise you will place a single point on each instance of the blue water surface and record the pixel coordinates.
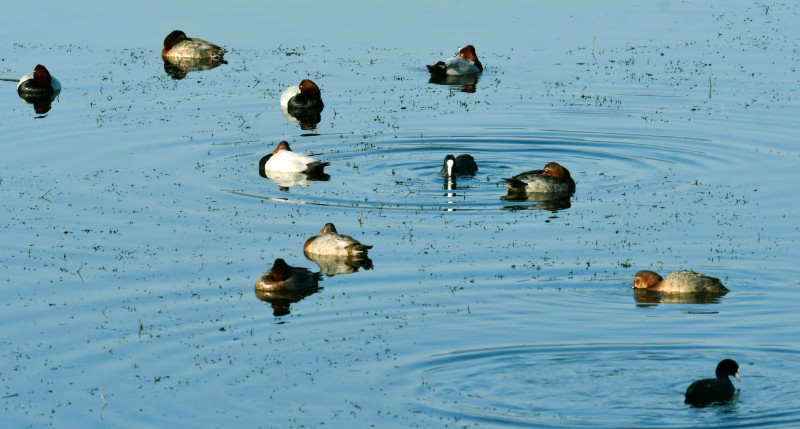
(135, 221)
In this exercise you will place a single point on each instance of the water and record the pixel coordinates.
(136, 221)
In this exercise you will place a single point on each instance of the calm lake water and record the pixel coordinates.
(135, 221)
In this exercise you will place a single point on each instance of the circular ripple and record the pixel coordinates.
(403, 174)
(604, 385)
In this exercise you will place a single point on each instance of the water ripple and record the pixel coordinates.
(403, 173)
(604, 385)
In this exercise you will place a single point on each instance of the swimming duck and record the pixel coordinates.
(283, 160)
(282, 277)
(684, 281)
(40, 83)
(553, 182)
(459, 165)
(330, 242)
(305, 96)
(177, 45)
(466, 62)
(714, 389)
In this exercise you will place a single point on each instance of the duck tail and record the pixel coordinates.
(438, 69)
(513, 184)
(317, 167)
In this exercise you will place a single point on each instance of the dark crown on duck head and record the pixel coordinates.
(280, 270)
(174, 38)
(727, 367)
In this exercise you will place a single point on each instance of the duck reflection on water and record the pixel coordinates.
(281, 301)
(536, 203)
(178, 68)
(41, 105)
(648, 298)
(463, 83)
(288, 180)
(283, 285)
(331, 265)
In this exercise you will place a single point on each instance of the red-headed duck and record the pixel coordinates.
(678, 282)
(716, 389)
(282, 277)
(40, 83)
(459, 165)
(465, 63)
(554, 181)
(283, 160)
(305, 96)
(330, 242)
(177, 45)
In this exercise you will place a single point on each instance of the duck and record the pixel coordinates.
(305, 96)
(177, 45)
(40, 83)
(330, 242)
(282, 277)
(283, 160)
(554, 181)
(716, 389)
(465, 63)
(459, 165)
(684, 281)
